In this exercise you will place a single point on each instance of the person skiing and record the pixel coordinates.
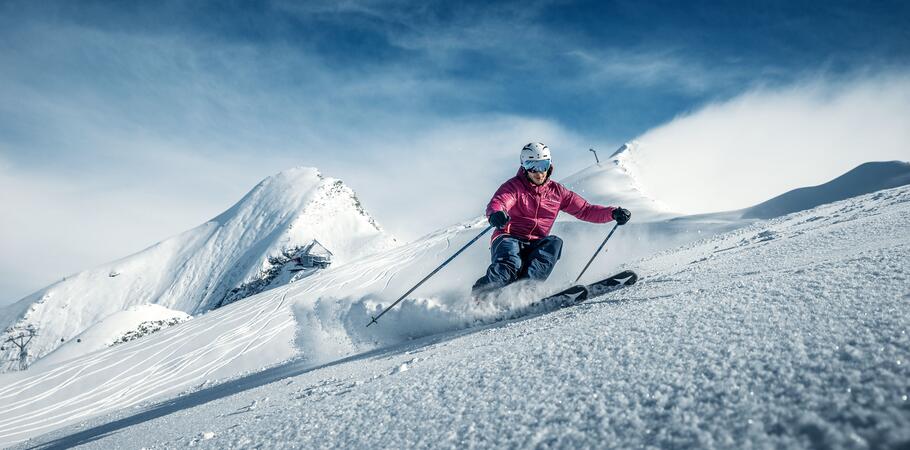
(523, 211)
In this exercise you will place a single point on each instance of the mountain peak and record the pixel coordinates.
(250, 247)
(285, 190)
(616, 183)
(625, 151)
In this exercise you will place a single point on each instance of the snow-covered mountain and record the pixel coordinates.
(249, 248)
(116, 328)
(865, 178)
(763, 336)
(616, 182)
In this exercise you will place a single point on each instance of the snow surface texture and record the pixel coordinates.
(197, 270)
(787, 333)
(108, 331)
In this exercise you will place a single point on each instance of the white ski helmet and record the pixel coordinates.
(535, 151)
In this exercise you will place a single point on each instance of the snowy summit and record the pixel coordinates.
(255, 245)
(616, 181)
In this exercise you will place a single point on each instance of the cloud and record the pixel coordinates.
(648, 68)
(435, 27)
(740, 152)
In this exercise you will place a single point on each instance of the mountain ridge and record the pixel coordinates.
(199, 269)
(615, 182)
(865, 178)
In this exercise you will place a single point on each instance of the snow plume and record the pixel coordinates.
(332, 327)
(740, 152)
(332, 309)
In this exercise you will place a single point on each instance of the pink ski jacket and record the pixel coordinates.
(533, 209)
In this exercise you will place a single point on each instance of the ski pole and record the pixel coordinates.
(595, 253)
(431, 274)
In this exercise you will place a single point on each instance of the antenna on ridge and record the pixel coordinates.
(595, 155)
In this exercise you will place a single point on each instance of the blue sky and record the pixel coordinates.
(122, 123)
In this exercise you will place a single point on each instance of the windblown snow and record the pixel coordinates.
(247, 249)
(790, 332)
(616, 182)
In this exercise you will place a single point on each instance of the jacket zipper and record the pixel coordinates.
(531, 233)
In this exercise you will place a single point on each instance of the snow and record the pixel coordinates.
(105, 333)
(784, 333)
(865, 178)
(199, 269)
(616, 182)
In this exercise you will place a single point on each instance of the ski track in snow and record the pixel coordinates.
(108, 380)
(786, 333)
(141, 371)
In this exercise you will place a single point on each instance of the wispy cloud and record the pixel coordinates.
(649, 69)
(740, 152)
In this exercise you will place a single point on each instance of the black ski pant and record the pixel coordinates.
(515, 259)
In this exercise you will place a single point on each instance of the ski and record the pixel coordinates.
(621, 279)
(579, 293)
(575, 295)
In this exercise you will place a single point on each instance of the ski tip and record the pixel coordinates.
(625, 278)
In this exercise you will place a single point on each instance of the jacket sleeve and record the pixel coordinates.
(504, 198)
(573, 204)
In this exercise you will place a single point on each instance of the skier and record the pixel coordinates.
(523, 210)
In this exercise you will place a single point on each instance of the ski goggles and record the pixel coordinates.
(536, 165)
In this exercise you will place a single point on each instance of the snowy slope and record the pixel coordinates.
(244, 249)
(865, 178)
(616, 182)
(791, 332)
(654, 226)
(108, 331)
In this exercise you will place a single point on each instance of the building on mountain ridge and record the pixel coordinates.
(314, 255)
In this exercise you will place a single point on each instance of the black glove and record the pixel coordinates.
(499, 219)
(621, 215)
